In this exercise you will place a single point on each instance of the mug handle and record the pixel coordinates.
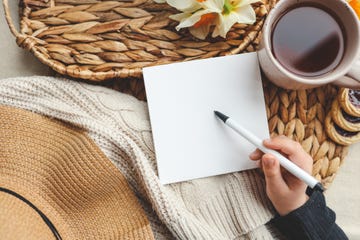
(352, 78)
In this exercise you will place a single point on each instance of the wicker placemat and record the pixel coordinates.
(100, 40)
(300, 115)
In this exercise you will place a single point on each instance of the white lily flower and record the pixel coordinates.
(200, 15)
(185, 5)
(234, 11)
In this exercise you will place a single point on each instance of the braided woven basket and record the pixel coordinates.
(98, 40)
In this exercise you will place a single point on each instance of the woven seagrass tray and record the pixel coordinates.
(99, 40)
(102, 40)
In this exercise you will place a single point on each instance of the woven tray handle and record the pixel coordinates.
(9, 20)
(23, 40)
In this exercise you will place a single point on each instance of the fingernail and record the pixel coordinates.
(267, 141)
(253, 154)
(269, 162)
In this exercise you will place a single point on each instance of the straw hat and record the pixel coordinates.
(56, 184)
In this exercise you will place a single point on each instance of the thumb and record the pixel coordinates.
(273, 177)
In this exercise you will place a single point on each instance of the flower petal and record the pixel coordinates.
(246, 2)
(200, 32)
(216, 31)
(226, 22)
(180, 16)
(215, 5)
(246, 14)
(190, 21)
(185, 5)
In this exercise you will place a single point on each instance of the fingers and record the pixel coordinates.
(285, 196)
(273, 177)
(284, 144)
(292, 149)
(256, 155)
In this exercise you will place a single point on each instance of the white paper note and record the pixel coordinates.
(190, 142)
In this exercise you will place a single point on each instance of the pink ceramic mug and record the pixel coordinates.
(345, 74)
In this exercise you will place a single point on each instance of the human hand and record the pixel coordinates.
(285, 191)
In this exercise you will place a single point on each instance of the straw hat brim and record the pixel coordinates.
(57, 184)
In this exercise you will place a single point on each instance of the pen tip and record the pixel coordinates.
(222, 116)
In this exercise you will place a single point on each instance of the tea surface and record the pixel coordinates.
(308, 41)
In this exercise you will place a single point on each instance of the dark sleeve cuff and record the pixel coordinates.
(313, 220)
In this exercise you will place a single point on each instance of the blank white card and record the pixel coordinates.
(190, 142)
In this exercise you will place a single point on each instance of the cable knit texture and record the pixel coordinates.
(231, 206)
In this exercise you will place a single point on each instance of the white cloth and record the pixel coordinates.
(231, 206)
(343, 195)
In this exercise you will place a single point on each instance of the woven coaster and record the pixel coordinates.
(300, 115)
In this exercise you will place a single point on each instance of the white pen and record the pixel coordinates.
(286, 163)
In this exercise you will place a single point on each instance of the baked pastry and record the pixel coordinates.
(343, 119)
(349, 100)
(338, 134)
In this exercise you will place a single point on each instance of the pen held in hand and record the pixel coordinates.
(284, 162)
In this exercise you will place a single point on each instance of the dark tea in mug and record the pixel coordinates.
(308, 41)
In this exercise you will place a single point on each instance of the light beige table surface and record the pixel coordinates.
(343, 196)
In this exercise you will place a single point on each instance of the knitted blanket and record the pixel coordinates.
(231, 206)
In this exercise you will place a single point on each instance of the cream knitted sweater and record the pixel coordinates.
(231, 206)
